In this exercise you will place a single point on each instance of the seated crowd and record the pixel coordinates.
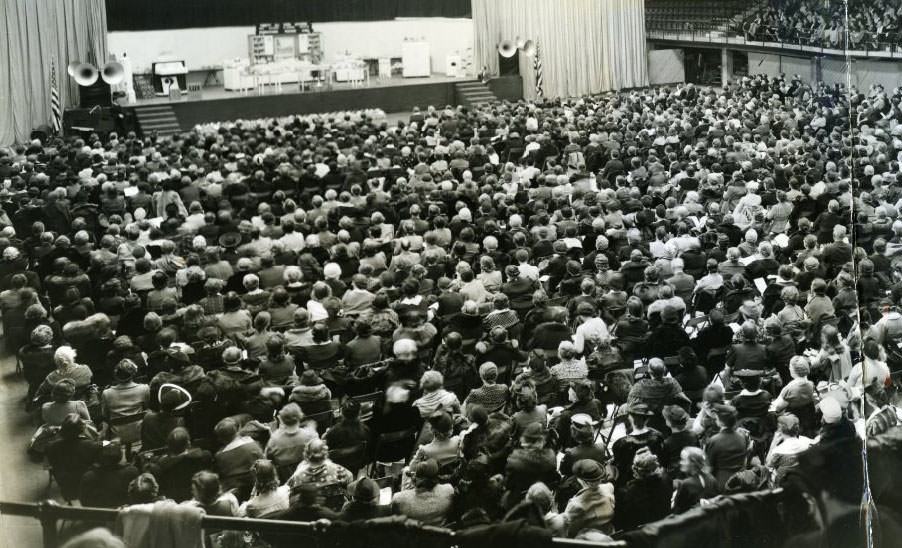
(871, 25)
(607, 309)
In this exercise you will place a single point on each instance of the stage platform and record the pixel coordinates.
(213, 93)
(215, 104)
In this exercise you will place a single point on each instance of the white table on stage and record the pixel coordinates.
(354, 71)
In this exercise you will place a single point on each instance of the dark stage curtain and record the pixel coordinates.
(181, 14)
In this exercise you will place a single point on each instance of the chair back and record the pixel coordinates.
(368, 404)
(323, 420)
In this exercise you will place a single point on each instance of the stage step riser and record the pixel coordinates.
(474, 93)
(158, 118)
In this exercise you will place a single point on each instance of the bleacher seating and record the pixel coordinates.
(692, 15)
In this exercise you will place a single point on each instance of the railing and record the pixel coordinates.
(49, 513)
(766, 504)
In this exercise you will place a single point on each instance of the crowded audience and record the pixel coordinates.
(870, 25)
(599, 311)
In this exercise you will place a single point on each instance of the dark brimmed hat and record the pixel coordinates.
(589, 470)
(230, 239)
(310, 378)
(364, 489)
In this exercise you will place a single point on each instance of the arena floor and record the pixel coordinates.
(20, 478)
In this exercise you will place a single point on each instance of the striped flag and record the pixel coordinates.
(56, 110)
(537, 67)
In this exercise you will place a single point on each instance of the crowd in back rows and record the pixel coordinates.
(870, 25)
(664, 286)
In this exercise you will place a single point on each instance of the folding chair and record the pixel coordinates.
(368, 404)
(696, 324)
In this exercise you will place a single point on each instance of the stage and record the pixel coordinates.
(215, 104)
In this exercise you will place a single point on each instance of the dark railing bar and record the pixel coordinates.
(49, 512)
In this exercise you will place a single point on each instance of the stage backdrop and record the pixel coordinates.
(32, 32)
(586, 46)
(203, 48)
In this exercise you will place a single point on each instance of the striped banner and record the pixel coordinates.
(537, 67)
(56, 110)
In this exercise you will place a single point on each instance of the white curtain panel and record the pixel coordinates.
(32, 32)
(586, 46)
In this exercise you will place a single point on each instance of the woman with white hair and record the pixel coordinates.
(435, 398)
(66, 368)
(572, 366)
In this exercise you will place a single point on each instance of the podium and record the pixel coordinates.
(168, 76)
(415, 58)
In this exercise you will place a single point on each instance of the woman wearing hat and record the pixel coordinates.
(364, 502)
(37, 358)
(582, 434)
(123, 404)
(639, 435)
(593, 506)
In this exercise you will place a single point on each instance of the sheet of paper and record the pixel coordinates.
(385, 496)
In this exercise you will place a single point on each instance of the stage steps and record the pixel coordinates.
(159, 118)
(473, 93)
